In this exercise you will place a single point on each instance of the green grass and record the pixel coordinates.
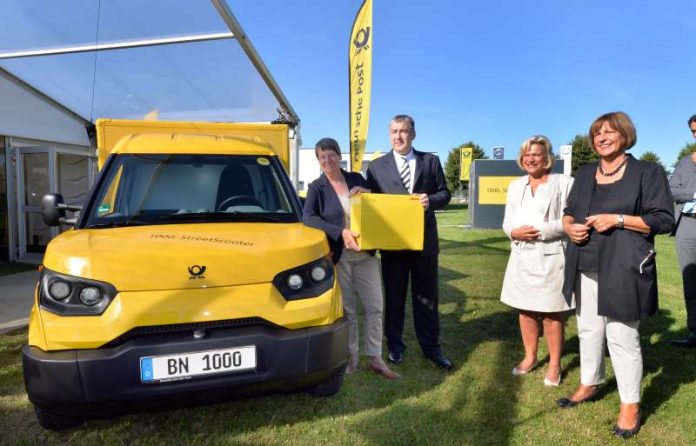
(478, 403)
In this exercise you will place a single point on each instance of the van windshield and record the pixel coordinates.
(169, 189)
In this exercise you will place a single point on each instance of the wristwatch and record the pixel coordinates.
(620, 222)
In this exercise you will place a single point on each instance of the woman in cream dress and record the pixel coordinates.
(534, 276)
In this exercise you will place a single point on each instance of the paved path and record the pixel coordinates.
(16, 298)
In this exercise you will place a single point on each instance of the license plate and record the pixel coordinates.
(187, 365)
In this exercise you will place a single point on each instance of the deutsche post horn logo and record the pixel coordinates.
(361, 38)
(196, 271)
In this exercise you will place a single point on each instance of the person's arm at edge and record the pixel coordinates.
(553, 230)
(508, 216)
(679, 191)
(441, 197)
(312, 218)
(658, 212)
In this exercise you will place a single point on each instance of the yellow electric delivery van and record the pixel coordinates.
(187, 276)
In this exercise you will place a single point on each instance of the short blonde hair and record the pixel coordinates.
(618, 121)
(543, 142)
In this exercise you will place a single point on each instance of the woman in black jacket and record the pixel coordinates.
(327, 207)
(614, 210)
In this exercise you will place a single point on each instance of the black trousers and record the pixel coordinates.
(397, 267)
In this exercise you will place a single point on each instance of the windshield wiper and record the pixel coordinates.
(118, 223)
(220, 216)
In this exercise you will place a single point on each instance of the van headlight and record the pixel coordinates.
(90, 296)
(59, 289)
(74, 296)
(306, 281)
(295, 282)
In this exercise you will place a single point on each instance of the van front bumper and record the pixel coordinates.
(108, 380)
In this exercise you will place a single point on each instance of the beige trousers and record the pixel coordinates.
(359, 278)
(622, 340)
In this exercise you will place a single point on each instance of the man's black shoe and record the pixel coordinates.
(441, 361)
(688, 342)
(396, 358)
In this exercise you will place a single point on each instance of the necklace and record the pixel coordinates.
(613, 172)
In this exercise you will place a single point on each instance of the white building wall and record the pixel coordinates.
(26, 113)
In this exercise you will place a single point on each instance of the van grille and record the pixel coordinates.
(173, 328)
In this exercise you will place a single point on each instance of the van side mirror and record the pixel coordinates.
(53, 209)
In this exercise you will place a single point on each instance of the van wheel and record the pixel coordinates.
(53, 421)
(329, 387)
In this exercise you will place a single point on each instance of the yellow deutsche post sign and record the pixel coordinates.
(493, 190)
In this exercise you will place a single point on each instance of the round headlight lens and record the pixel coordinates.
(59, 290)
(295, 282)
(318, 273)
(90, 296)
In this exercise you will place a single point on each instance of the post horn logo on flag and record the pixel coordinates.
(362, 38)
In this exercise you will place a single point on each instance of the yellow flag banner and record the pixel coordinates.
(465, 163)
(360, 78)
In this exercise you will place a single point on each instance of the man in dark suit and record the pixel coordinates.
(405, 170)
(683, 186)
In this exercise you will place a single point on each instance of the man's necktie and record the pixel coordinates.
(406, 174)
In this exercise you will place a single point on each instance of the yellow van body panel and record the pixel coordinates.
(158, 257)
(272, 136)
(150, 308)
(36, 327)
(149, 267)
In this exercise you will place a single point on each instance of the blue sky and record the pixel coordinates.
(493, 72)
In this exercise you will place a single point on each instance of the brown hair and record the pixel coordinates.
(542, 141)
(325, 144)
(618, 121)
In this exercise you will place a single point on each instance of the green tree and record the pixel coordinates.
(582, 153)
(688, 149)
(453, 164)
(652, 157)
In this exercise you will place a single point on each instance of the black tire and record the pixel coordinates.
(55, 422)
(330, 387)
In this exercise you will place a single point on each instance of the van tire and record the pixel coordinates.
(330, 387)
(53, 421)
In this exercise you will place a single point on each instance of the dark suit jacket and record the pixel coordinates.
(624, 292)
(323, 210)
(383, 177)
(683, 186)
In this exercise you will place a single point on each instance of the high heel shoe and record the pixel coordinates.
(378, 366)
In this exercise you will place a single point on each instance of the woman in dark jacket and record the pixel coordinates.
(614, 210)
(327, 207)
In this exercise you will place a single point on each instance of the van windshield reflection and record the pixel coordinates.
(170, 189)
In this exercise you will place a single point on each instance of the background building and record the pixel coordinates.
(44, 147)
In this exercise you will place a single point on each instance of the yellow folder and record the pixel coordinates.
(386, 221)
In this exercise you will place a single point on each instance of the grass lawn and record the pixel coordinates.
(480, 402)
